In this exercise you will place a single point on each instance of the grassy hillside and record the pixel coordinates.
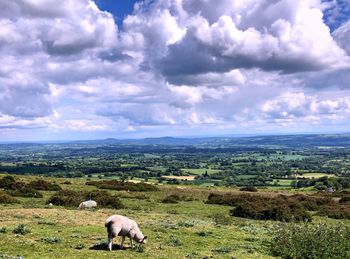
(187, 229)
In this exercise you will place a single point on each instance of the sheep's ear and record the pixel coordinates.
(145, 238)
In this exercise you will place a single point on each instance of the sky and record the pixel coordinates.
(88, 69)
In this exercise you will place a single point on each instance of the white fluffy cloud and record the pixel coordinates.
(342, 36)
(285, 35)
(173, 66)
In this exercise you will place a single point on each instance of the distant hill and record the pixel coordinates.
(273, 141)
(306, 140)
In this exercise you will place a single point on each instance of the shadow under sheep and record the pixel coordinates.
(105, 247)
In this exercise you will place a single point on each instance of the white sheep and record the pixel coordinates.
(118, 225)
(87, 205)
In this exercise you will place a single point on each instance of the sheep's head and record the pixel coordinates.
(143, 240)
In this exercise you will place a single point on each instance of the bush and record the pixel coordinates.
(271, 211)
(311, 241)
(123, 186)
(139, 248)
(173, 241)
(71, 198)
(248, 189)
(79, 246)
(311, 202)
(223, 249)
(7, 199)
(51, 240)
(280, 207)
(66, 198)
(9, 183)
(336, 212)
(21, 229)
(25, 192)
(308, 202)
(221, 219)
(105, 199)
(173, 198)
(344, 199)
(44, 185)
(226, 199)
(6, 181)
(3, 230)
(204, 233)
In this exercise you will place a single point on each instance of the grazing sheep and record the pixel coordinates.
(118, 225)
(87, 205)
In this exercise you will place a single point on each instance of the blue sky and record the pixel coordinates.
(333, 17)
(337, 14)
(119, 8)
(96, 69)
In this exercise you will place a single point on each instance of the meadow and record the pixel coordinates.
(193, 198)
(184, 228)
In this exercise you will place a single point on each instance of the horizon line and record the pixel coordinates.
(238, 135)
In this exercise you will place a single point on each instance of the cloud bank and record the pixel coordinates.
(174, 67)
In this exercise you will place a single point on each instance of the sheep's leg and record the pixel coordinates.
(122, 243)
(110, 242)
(131, 244)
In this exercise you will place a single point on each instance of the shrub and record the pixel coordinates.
(123, 186)
(248, 189)
(336, 212)
(173, 241)
(221, 219)
(280, 207)
(47, 222)
(3, 230)
(139, 248)
(173, 198)
(187, 223)
(105, 199)
(227, 199)
(6, 181)
(71, 198)
(311, 241)
(271, 211)
(223, 250)
(44, 185)
(310, 202)
(51, 240)
(204, 233)
(79, 246)
(25, 192)
(66, 198)
(67, 182)
(9, 183)
(7, 199)
(344, 199)
(21, 229)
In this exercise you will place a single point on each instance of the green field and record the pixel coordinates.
(199, 171)
(188, 229)
(184, 230)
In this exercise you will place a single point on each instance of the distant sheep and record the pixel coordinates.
(88, 205)
(118, 225)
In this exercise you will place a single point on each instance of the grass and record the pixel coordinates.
(312, 241)
(199, 171)
(187, 229)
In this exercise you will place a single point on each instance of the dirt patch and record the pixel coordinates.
(188, 178)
